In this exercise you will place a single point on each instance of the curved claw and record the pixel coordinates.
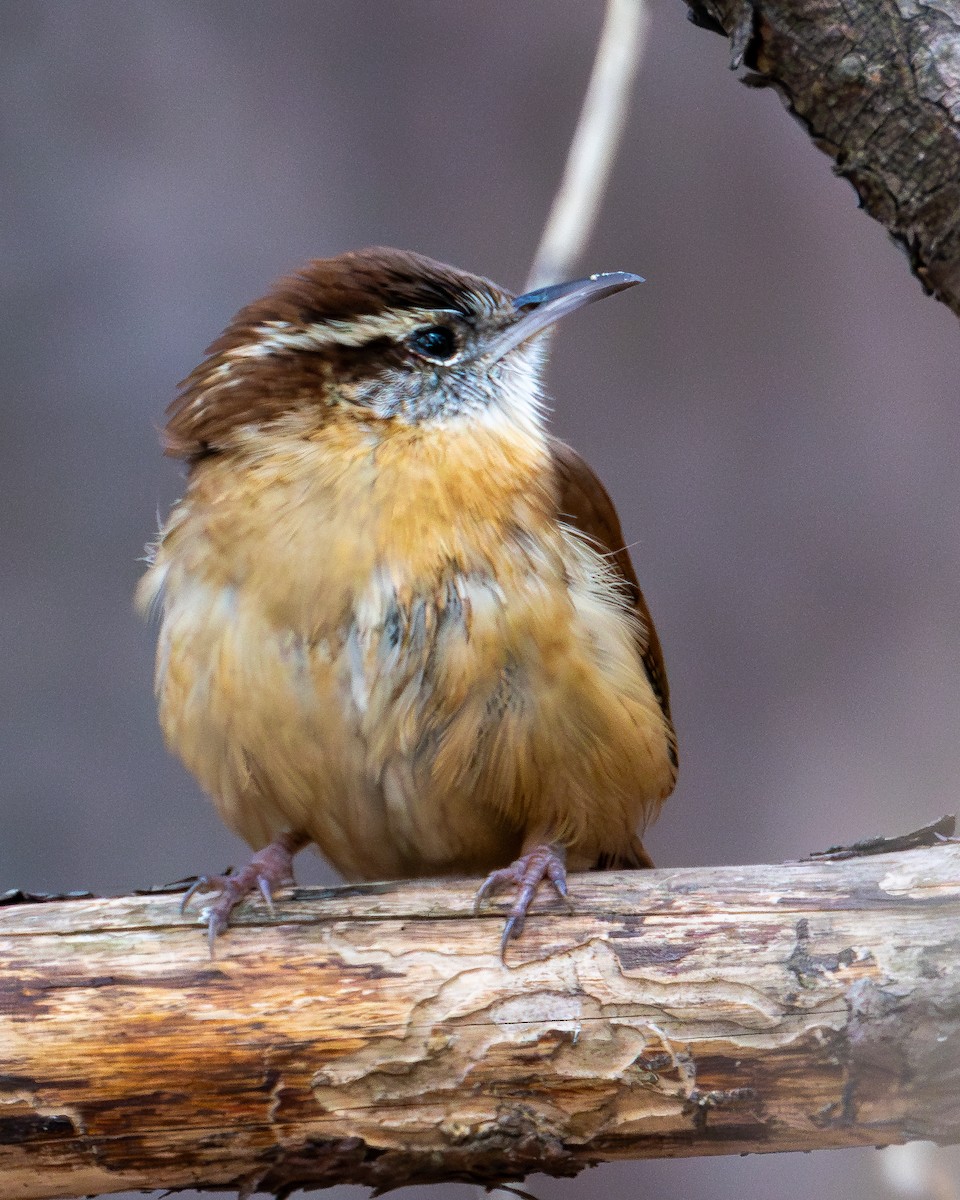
(218, 915)
(263, 883)
(212, 934)
(492, 883)
(543, 862)
(513, 927)
(201, 883)
(269, 868)
(558, 877)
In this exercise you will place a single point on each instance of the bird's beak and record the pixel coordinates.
(536, 310)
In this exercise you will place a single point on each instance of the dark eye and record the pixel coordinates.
(438, 343)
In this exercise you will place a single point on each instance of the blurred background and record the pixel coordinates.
(775, 411)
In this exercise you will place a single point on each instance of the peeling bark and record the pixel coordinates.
(877, 85)
(371, 1034)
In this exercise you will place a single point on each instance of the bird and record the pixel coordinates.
(397, 616)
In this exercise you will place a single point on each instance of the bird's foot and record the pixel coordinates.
(269, 868)
(547, 861)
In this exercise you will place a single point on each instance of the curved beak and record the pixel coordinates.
(536, 310)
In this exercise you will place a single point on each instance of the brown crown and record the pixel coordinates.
(228, 390)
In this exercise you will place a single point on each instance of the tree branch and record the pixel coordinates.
(371, 1034)
(877, 85)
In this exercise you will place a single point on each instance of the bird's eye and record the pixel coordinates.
(437, 343)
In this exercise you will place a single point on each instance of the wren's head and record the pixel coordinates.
(381, 335)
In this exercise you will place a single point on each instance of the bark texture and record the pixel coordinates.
(372, 1035)
(877, 85)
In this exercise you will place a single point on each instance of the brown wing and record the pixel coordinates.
(585, 504)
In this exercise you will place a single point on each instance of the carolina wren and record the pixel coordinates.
(398, 618)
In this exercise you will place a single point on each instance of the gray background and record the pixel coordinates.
(775, 411)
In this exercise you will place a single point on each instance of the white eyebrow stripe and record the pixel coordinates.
(276, 336)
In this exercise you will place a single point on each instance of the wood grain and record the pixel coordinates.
(370, 1034)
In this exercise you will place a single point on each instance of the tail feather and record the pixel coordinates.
(635, 857)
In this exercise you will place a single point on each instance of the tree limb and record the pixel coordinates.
(371, 1034)
(877, 85)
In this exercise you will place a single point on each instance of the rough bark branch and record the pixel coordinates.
(371, 1034)
(877, 85)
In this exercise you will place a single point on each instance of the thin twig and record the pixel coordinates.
(929, 835)
(594, 146)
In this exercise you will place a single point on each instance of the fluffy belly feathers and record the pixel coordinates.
(412, 714)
